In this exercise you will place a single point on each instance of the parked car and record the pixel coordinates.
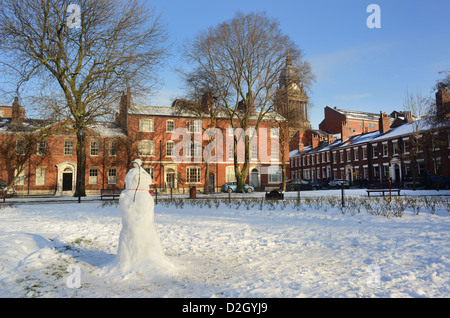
(232, 187)
(443, 182)
(11, 191)
(296, 184)
(336, 183)
(316, 185)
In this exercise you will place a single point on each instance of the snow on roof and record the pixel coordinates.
(355, 114)
(106, 129)
(174, 112)
(374, 136)
(26, 125)
(157, 111)
(405, 129)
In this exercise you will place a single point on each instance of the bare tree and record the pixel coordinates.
(417, 104)
(243, 58)
(90, 57)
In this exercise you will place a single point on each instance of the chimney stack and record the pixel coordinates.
(383, 123)
(314, 141)
(442, 101)
(207, 102)
(408, 116)
(18, 113)
(125, 103)
(345, 133)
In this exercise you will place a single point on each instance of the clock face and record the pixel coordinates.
(294, 86)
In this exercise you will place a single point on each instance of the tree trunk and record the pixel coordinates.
(81, 166)
(206, 186)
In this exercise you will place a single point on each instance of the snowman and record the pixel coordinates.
(140, 249)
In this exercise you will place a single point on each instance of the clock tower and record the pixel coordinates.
(291, 100)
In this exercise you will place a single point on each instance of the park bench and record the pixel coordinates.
(275, 195)
(383, 191)
(110, 193)
(3, 195)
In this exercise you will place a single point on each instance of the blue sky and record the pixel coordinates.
(356, 67)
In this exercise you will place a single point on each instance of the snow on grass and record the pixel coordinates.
(253, 249)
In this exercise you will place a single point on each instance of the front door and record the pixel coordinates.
(211, 182)
(170, 179)
(254, 178)
(67, 181)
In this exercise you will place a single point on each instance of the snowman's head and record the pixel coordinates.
(137, 163)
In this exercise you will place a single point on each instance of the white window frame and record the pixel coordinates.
(385, 149)
(170, 126)
(275, 176)
(68, 147)
(374, 151)
(39, 148)
(113, 148)
(112, 175)
(94, 151)
(40, 176)
(169, 149)
(146, 125)
(146, 148)
(254, 153)
(193, 174)
(230, 175)
(93, 175)
(194, 126)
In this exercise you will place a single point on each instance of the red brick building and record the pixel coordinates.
(400, 150)
(356, 122)
(150, 133)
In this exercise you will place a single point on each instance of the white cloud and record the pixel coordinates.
(325, 65)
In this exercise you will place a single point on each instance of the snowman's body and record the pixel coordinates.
(140, 249)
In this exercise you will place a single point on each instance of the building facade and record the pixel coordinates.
(40, 157)
(401, 154)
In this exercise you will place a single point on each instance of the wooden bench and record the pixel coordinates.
(275, 195)
(3, 195)
(383, 191)
(110, 193)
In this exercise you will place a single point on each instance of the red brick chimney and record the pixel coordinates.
(125, 103)
(345, 132)
(207, 102)
(442, 101)
(408, 116)
(384, 123)
(18, 113)
(314, 141)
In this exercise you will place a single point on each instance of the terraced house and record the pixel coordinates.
(404, 152)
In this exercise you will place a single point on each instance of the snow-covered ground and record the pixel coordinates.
(46, 249)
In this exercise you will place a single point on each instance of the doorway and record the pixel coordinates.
(67, 180)
(254, 178)
(211, 183)
(170, 178)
